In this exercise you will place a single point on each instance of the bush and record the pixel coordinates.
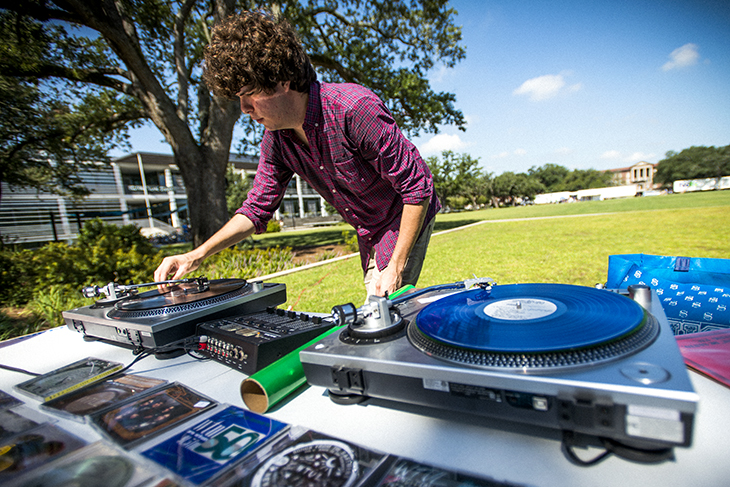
(273, 226)
(350, 239)
(246, 264)
(104, 253)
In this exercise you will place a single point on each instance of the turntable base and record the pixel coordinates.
(640, 395)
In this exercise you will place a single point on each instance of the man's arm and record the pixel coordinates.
(237, 228)
(410, 227)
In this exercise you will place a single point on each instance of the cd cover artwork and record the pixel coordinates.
(94, 465)
(207, 448)
(78, 404)
(33, 448)
(12, 423)
(69, 378)
(407, 473)
(139, 419)
(303, 457)
(8, 401)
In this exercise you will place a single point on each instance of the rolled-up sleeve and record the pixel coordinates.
(269, 185)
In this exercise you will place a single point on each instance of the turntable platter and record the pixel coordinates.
(179, 294)
(530, 318)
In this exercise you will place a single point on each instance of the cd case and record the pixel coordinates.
(203, 450)
(407, 473)
(12, 423)
(137, 420)
(69, 378)
(94, 465)
(32, 448)
(80, 404)
(304, 457)
(8, 401)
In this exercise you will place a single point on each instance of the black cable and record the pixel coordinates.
(567, 447)
(14, 369)
(638, 455)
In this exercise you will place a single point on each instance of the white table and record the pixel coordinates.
(516, 453)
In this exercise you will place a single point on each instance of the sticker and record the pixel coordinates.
(655, 423)
(436, 385)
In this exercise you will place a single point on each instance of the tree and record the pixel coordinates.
(146, 55)
(550, 175)
(237, 187)
(697, 162)
(508, 187)
(585, 179)
(458, 176)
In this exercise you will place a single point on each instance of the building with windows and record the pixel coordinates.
(641, 174)
(144, 189)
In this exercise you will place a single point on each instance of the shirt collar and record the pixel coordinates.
(314, 108)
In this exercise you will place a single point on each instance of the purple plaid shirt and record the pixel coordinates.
(357, 159)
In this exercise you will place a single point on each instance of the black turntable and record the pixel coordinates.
(566, 357)
(168, 313)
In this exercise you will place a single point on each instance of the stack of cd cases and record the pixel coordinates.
(162, 434)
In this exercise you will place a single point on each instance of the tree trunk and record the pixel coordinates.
(203, 169)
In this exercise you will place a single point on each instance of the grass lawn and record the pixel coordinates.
(567, 243)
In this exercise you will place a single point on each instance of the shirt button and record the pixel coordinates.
(334, 190)
(321, 168)
(347, 209)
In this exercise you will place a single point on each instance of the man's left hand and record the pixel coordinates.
(390, 281)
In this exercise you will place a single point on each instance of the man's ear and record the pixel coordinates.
(286, 85)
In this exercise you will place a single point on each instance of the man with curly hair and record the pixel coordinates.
(339, 137)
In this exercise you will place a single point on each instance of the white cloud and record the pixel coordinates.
(545, 87)
(516, 152)
(631, 158)
(639, 156)
(441, 142)
(611, 154)
(682, 57)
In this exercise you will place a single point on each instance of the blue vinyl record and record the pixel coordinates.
(530, 318)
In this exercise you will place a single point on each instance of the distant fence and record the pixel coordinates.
(708, 184)
(611, 192)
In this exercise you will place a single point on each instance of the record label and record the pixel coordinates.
(520, 309)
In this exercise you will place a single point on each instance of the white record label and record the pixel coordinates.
(520, 309)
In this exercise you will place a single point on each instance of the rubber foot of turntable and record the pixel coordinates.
(346, 399)
(169, 355)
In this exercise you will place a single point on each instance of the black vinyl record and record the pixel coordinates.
(179, 294)
(530, 318)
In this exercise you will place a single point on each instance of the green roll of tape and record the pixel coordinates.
(267, 387)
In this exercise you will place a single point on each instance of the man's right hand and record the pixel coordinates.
(176, 266)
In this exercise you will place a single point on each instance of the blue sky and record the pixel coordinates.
(583, 84)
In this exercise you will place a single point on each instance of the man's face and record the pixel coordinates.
(273, 110)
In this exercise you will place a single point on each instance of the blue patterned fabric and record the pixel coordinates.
(694, 292)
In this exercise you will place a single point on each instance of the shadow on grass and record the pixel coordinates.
(304, 240)
(441, 226)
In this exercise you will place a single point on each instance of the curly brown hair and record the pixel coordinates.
(257, 50)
